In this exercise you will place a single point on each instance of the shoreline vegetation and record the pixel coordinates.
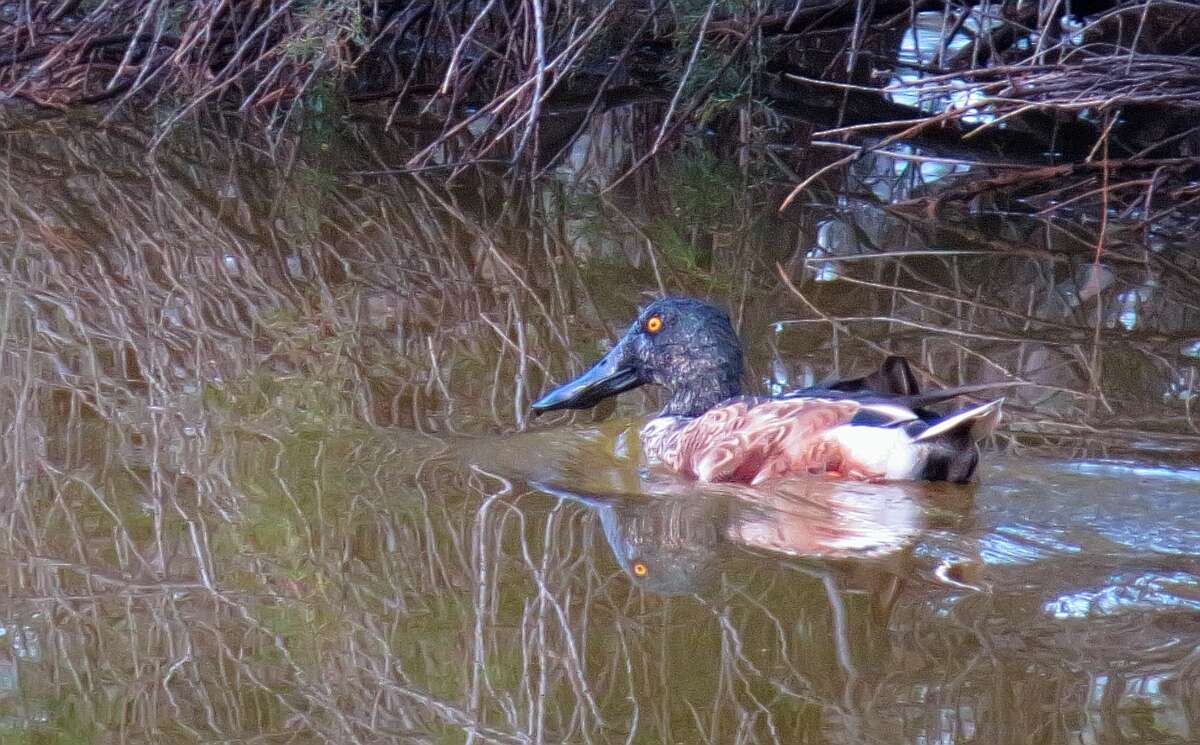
(1088, 106)
(998, 195)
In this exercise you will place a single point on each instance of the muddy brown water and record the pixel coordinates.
(268, 474)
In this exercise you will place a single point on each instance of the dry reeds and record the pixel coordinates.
(1108, 87)
(235, 503)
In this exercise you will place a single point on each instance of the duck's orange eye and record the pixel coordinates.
(654, 325)
(640, 569)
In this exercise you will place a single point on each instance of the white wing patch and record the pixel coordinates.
(979, 422)
(879, 452)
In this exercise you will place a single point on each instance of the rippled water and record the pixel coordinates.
(268, 472)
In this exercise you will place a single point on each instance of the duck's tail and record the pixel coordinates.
(950, 449)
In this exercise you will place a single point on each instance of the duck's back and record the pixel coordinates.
(750, 440)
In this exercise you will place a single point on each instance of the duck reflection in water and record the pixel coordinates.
(671, 536)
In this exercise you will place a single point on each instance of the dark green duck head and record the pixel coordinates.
(686, 346)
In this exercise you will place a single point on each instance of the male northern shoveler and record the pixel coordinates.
(872, 428)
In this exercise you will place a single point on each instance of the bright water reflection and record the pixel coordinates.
(930, 42)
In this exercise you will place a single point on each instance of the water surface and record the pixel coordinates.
(268, 472)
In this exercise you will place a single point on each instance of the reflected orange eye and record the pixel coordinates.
(654, 325)
(640, 569)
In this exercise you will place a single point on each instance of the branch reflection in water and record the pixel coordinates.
(251, 410)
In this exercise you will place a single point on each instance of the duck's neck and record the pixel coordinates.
(699, 396)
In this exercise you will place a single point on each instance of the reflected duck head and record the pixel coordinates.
(669, 547)
(686, 346)
(667, 538)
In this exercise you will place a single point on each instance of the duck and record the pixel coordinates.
(873, 428)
